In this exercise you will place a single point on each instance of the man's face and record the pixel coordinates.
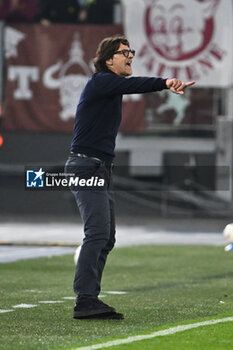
(120, 64)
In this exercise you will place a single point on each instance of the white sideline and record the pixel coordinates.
(168, 331)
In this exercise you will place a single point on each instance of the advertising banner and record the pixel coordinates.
(46, 70)
(188, 39)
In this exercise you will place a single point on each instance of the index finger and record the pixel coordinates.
(190, 83)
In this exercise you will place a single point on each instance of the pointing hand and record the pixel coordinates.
(177, 86)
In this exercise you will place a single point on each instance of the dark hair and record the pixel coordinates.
(106, 50)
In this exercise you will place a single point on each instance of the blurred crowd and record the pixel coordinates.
(58, 11)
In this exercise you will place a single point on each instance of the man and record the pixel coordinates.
(97, 120)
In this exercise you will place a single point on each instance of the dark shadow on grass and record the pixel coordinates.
(181, 284)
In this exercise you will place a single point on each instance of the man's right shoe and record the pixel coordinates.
(92, 307)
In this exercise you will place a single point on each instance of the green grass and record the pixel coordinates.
(165, 285)
(216, 337)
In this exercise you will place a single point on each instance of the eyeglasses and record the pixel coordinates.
(126, 52)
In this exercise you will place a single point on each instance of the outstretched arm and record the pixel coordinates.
(177, 86)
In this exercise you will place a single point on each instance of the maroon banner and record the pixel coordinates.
(46, 70)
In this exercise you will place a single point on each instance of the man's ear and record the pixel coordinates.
(109, 62)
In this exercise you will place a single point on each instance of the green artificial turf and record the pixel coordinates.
(165, 285)
(211, 337)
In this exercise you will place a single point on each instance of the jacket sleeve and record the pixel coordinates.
(110, 84)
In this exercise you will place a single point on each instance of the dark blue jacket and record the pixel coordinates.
(98, 114)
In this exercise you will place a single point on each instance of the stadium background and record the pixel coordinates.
(154, 154)
(172, 177)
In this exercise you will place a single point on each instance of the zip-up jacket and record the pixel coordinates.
(98, 114)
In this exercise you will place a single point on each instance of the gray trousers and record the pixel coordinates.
(96, 208)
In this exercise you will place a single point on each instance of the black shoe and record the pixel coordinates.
(107, 316)
(90, 307)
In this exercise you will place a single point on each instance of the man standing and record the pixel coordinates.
(98, 117)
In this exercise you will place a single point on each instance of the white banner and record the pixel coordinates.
(188, 39)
